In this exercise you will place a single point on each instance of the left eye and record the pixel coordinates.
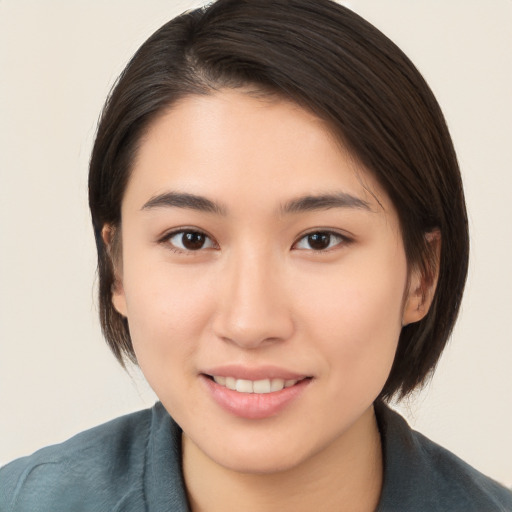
(188, 240)
(319, 241)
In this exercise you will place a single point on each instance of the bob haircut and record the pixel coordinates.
(327, 59)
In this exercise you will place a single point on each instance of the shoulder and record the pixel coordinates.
(99, 467)
(421, 475)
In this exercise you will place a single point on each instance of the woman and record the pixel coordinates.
(282, 246)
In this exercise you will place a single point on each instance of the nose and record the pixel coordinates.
(253, 307)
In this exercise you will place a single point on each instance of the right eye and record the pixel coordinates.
(321, 241)
(187, 240)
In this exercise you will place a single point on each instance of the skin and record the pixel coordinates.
(258, 293)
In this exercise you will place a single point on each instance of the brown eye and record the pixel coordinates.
(320, 241)
(190, 241)
(193, 241)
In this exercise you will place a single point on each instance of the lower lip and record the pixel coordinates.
(254, 405)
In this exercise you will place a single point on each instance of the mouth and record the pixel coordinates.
(262, 386)
(255, 392)
(255, 399)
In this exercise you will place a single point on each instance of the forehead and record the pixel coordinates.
(232, 144)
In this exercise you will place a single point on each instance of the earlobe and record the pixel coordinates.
(119, 299)
(111, 240)
(416, 306)
(423, 282)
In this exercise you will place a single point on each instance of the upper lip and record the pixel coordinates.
(253, 372)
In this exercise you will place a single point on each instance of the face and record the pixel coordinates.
(263, 276)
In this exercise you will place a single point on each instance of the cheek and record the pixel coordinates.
(167, 309)
(355, 317)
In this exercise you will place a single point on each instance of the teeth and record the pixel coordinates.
(221, 381)
(230, 383)
(254, 386)
(244, 386)
(261, 386)
(276, 385)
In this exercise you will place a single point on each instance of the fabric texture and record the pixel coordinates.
(133, 464)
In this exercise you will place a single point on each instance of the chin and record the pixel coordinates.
(271, 450)
(259, 461)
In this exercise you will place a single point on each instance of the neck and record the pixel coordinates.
(345, 476)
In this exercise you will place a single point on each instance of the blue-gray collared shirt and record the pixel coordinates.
(133, 464)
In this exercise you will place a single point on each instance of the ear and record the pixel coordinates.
(423, 282)
(112, 242)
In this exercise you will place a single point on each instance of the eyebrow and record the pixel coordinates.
(324, 202)
(184, 200)
(297, 205)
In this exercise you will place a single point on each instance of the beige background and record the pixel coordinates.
(58, 60)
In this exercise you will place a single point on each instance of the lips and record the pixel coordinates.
(254, 393)
(253, 373)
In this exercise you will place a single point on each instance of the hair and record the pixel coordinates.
(332, 62)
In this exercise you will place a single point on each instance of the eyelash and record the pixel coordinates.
(342, 240)
(167, 240)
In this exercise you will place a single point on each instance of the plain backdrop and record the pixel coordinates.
(58, 60)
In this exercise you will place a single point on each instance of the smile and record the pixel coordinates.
(254, 386)
(258, 398)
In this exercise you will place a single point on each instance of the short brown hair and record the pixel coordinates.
(329, 60)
